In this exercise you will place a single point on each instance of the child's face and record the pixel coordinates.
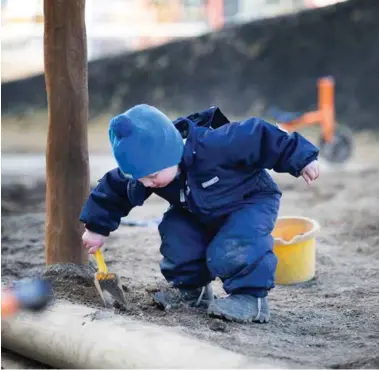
(161, 178)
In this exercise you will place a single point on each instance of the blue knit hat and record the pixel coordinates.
(144, 141)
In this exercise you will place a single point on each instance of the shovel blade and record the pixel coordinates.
(110, 283)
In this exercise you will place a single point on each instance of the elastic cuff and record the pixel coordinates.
(97, 229)
(301, 165)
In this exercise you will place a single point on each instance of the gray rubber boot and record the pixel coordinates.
(241, 308)
(174, 298)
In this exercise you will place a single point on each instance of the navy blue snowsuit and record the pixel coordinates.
(223, 204)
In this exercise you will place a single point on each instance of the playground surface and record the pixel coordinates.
(331, 321)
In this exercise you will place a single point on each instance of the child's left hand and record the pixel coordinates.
(310, 172)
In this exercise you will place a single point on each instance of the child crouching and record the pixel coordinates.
(223, 202)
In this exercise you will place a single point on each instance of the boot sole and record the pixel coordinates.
(264, 318)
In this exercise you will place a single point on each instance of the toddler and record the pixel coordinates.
(223, 202)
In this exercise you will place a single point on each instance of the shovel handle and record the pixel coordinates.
(102, 267)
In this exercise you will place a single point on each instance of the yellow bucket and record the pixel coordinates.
(295, 247)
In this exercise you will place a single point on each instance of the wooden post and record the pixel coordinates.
(67, 170)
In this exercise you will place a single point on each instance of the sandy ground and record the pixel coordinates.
(330, 322)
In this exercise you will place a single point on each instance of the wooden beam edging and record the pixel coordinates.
(74, 336)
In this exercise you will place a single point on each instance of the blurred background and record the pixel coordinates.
(128, 25)
(249, 57)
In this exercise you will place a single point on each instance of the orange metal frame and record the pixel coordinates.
(324, 115)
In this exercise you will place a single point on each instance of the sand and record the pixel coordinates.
(331, 321)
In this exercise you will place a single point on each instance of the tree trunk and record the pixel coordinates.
(67, 170)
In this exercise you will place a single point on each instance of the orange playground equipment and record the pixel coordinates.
(336, 142)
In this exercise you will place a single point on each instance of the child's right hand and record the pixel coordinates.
(92, 241)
